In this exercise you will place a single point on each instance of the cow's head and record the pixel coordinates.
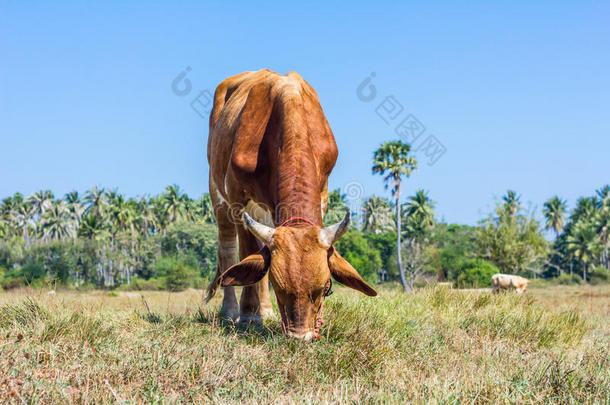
(300, 262)
(524, 283)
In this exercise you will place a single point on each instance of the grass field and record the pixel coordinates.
(438, 346)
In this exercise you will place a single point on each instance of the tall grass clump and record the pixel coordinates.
(79, 326)
(522, 320)
(26, 313)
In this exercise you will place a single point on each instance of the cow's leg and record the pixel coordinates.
(249, 304)
(227, 256)
(264, 298)
(251, 307)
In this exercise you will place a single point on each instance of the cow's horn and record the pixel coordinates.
(262, 232)
(331, 233)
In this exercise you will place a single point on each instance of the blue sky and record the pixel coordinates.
(517, 93)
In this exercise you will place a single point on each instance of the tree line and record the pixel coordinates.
(509, 240)
(102, 239)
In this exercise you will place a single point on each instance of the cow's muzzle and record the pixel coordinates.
(301, 335)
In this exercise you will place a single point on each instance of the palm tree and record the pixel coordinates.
(336, 205)
(512, 203)
(8, 212)
(40, 201)
(206, 213)
(419, 213)
(392, 160)
(146, 218)
(72, 197)
(419, 219)
(92, 228)
(602, 225)
(554, 212)
(604, 195)
(5, 207)
(189, 209)
(56, 222)
(121, 221)
(95, 229)
(583, 244)
(421, 207)
(173, 203)
(76, 210)
(161, 216)
(4, 229)
(118, 211)
(95, 199)
(377, 215)
(11, 203)
(586, 209)
(21, 218)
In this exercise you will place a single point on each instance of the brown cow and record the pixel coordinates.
(270, 152)
(508, 282)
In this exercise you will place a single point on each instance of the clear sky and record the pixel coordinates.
(518, 94)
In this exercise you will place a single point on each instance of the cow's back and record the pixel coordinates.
(255, 115)
(508, 281)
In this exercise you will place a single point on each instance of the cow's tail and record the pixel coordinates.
(212, 288)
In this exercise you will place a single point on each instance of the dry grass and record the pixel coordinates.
(438, 346)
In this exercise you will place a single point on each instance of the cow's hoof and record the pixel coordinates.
(267, 313)
(229, 315)
(249, 319)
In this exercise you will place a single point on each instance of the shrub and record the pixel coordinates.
(59, 261)
(85, 287)
(162, 266)
(566, 279)
(199, 283)
(180, 277)
(192, 239)
(455, 243)
(476, 273)
(599, 275)
(420, 282)
(357, 250)
(32, 272)
(8, 283)
(140, 284)
(385, 244)
(175, 274)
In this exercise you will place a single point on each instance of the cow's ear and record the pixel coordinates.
(251, 126)
(249, 271)
(344, 273)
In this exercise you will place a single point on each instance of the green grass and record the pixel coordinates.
(438, 345)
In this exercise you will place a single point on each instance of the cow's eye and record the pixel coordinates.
(312, 297)
(315, 294)
(328, 291)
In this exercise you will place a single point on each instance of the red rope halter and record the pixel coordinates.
(319, 321)
(327, 287)
(292, 219)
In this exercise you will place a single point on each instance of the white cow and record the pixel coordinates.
(508, 282)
